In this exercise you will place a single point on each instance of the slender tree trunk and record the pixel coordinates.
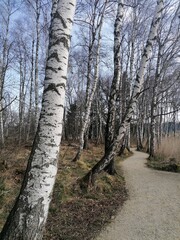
(27, 219)
(22, 97)
(1, 127)
(160, 127)
(139, 137)
(110, 126)
(36, 77)
(3, 69)
(109, 155)
(154, 108)
(30, 94)
(90, 94)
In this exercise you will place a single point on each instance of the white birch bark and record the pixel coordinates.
(28, 216)
(3, 69)
(110, 127)
(106, 159)
(91, 92)
(36, 76)
(30, 94)
(22, 94)
(154, 107)
(143, 66)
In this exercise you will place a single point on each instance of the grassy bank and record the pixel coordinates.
(167, 155)
(72, 214)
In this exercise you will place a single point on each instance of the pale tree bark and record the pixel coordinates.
(22, 52)
(30, 93)
(91, 90)
(110, 126)
(154, 107)
(3, 68)
(36, 64)
(27, 219)
(131, 68)
(108, 156)
(165, 56)
(21, 98)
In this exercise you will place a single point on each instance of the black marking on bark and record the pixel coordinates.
(51, 68)
(61, 84)
(54, 55)
(36, 166)
(137, 79)
(71, 4)
(59, 105)
(49, 124)
(61, 40)
(48, 78)
(49, 114)
(154, 38)
(52, 87)
(70, 20)
(57, 15)
(50, 145)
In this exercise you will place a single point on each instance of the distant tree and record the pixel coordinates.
(96, 23)
(112, 151)
(114, 92)
(6, 13)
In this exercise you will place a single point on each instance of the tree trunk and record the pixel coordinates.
(90, 94)
(1, 126)
(3, 69)
(21, 97)
(36, 77)
(112, 150)
(153, 107)
(27, 219)
(30, 94)
(110, 126)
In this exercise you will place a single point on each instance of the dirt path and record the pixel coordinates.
(153, 209)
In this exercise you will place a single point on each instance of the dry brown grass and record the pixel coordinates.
(73, 214)
(167, 156)
(170, 149)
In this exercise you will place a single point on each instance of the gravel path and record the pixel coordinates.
(153, 209)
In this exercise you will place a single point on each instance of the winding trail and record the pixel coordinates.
(153, 209)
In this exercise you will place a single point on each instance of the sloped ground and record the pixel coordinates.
(153, 209)
(73, 214)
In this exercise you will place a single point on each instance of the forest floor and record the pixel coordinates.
(152, 211)
(73, 214)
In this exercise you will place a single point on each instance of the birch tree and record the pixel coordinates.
(167, 52)
(28, 217)
(36, 77)
(109, 155)
(97, 23)
(4, 60)
(35, 5)
(29, 123)
(110, 126)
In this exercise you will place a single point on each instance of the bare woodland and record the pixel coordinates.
(116, 84)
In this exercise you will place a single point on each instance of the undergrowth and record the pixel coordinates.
(72, 214)
(167, 157)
